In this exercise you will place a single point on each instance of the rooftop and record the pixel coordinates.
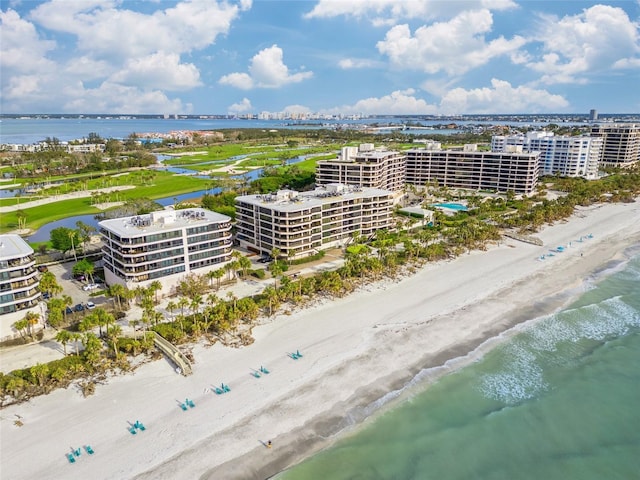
(162, 220)
(13, 246)
(290, 200)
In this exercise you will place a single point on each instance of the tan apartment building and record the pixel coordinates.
(302, 223)
(621, 143)
(364, 166)
(475, 170)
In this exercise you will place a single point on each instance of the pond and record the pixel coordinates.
(43, 233)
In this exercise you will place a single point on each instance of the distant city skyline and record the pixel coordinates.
(326, 57)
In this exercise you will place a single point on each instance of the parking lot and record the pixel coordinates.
(75, 288)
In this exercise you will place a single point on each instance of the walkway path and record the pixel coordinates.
(64, 196)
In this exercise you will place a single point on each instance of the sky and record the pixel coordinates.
(370, 57)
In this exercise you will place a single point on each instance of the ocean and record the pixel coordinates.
(557, 399)
(32, 130)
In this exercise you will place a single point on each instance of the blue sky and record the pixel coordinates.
(326, 56)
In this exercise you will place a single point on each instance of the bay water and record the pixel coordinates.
(558, 399)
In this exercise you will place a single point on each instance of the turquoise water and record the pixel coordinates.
(452, 206)
(558, 400)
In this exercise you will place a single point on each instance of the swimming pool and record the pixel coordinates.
(451, 206)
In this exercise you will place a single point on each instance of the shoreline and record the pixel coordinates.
(437, 318)
(421, 375)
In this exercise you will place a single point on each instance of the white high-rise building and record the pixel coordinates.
(559, 155)
(164, 246)
(19, 283)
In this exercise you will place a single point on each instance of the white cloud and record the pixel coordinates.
(114, 98)
(243, 106)
(296, 109)
(455, 47)
(133, 55)
(501, 98)
(22, 48)
(600, 38)
(110, 32)
(87, 68)
(266, 70)
(389, 12)
(354, 63)
(159, 70)
(400, 102)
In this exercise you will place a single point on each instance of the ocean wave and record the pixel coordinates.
(556, 339)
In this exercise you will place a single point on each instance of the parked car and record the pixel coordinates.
(42, 268)
(79, 308)
(80, 278)
(90, 286)
(91, 305)
(45, 295)
(68, 311)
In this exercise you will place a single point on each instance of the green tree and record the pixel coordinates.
(49, 284)
(84, 267)
(64, 337)
(62, 238)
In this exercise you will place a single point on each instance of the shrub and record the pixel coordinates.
(258, 273)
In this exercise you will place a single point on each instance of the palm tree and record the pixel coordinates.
(117, 293)
(22, 327)
(72, 235)
(245, 264)
(155, 287)
(64, 337)
(113, 333)
(218, 274)
(32, 319)
(171, 307)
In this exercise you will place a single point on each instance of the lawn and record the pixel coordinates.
(159, 185)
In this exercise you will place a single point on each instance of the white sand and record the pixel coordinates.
(355, 349)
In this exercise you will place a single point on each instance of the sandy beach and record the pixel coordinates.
(356, 351)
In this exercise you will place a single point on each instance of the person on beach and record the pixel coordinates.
(269, 444)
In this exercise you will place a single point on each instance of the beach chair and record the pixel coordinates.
(255, 374)
(190, 403)
(218, 391)
(71, 458)
(183, 406)
(298, 354)
(264, 370)
(77, 452)
(89, 449)
(226, 388)
(133, 431)
(139, 426)
(293, 356)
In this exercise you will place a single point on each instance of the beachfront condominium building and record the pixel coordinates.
(559, 155)
(19, 282)
(472, 169)
(621, 143)
(364, 166)
(164, 246)
(299, 224)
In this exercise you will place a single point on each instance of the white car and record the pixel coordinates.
(90, 286)
(91, 305)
